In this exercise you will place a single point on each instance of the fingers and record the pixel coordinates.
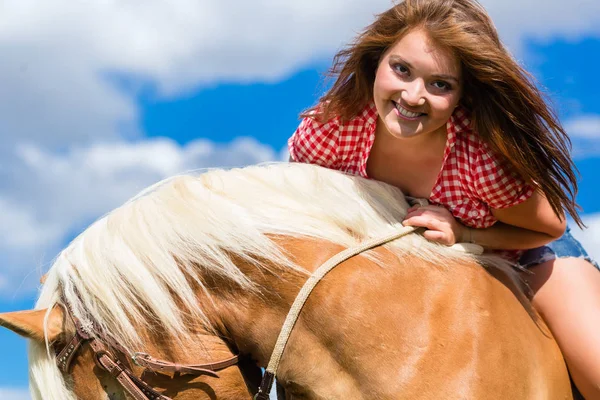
(436, 236)
(418, 210)
(424, 221)
(437, 230)
(426, 215)
(437, 220)
(431, 224)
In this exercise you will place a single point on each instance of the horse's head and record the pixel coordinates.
(86, 378)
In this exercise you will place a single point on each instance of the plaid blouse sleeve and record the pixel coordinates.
(315, 143)
(494, 182)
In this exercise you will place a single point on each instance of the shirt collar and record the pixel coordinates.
(460, 119)
(370, 114)
(459, 122)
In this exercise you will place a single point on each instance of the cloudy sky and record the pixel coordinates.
(98, 99)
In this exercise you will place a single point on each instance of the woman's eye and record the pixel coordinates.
(400, 68)
(442, 85)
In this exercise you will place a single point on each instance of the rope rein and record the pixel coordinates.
(309, 285)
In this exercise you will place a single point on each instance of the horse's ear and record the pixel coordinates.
(30, 324)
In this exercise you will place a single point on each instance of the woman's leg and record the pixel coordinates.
(567, 295)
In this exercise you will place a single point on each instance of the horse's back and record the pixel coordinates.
(413, 330)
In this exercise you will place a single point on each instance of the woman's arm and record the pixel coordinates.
(524, 226)
(527, 225)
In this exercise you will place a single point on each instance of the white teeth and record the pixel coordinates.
(407, 113)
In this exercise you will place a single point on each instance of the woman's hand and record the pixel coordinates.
(441, 226)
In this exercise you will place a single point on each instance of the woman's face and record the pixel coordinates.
(417, 86)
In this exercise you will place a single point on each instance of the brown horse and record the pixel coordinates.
(196, 269)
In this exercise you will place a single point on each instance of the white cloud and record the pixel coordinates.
(585, 135)
(14, 394)
(590, 237)
(60, 193)
(543, 19)
(586, 127)
(58, 55)
(188, 41)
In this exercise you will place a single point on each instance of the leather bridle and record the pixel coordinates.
(105, 351)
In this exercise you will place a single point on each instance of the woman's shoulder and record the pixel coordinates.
(363, 120)
(490, 175)
(324, 142)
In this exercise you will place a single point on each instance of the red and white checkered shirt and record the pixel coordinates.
(471, 183)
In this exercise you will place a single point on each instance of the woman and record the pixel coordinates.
(428, 99)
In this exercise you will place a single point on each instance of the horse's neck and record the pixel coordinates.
(410, 329)
(253, 320)
(362, 321)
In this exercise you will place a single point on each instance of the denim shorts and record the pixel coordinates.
(564, 247)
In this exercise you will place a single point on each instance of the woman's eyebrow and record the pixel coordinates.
(395, 58)
(446, 77)
(449, 77)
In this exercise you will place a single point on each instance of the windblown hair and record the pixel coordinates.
(141, 264)
(507, 109)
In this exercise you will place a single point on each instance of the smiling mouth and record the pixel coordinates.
(405, 113)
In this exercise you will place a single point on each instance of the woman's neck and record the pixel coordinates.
(418, 145)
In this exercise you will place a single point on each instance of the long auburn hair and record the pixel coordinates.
(507, 109)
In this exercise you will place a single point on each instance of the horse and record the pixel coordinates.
(201, 268)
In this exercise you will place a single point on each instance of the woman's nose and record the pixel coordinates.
(413, 93)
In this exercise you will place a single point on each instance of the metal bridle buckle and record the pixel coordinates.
(261, 396)
(137, 355)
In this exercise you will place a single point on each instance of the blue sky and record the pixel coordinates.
(101, 100)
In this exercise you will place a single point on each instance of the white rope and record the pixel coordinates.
(312, 281)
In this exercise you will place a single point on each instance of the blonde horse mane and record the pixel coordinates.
(126, 267)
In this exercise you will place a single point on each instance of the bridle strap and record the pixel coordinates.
(136, 387)
(271, 370)
(145, 360)
(66, 355)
